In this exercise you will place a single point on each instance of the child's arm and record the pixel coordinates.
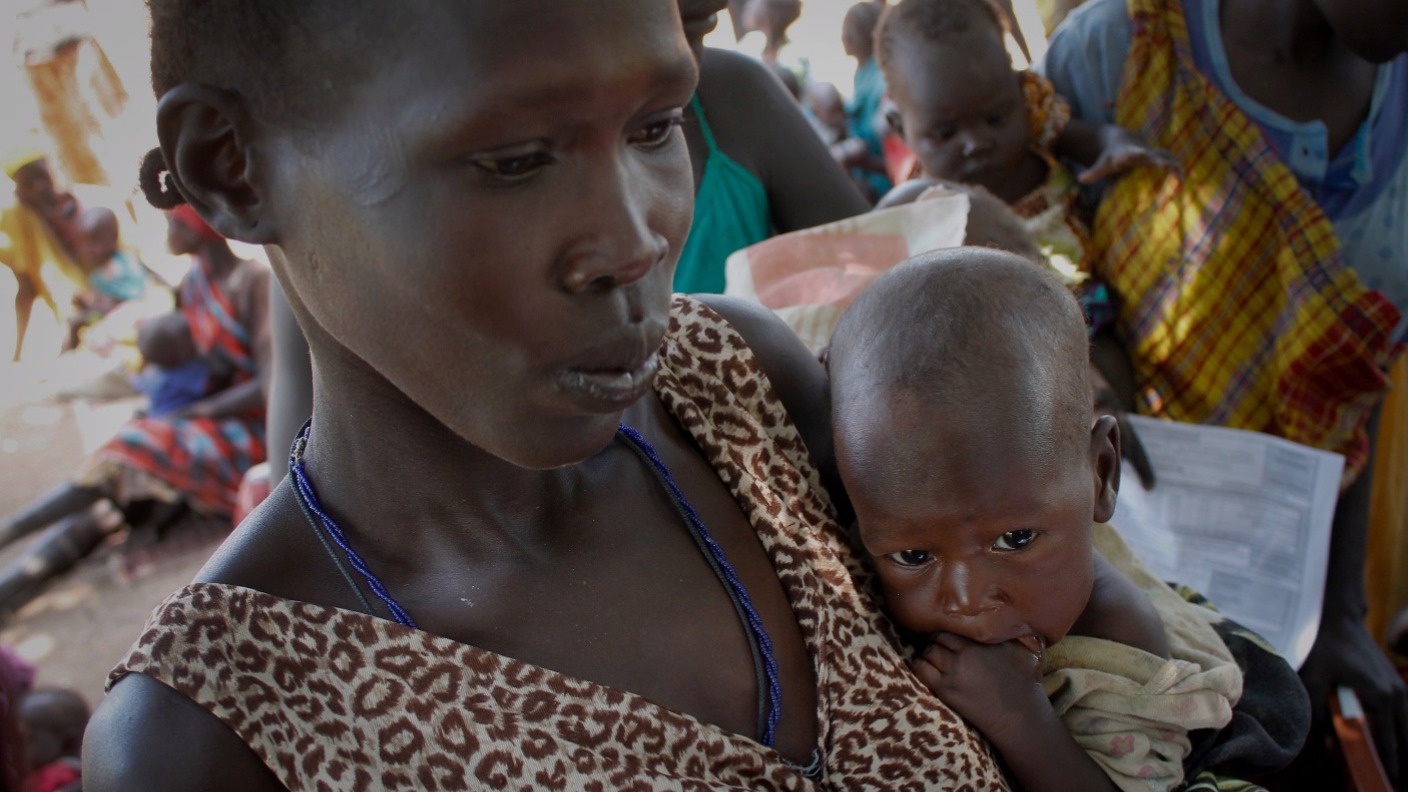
(1107, 150)
(997, 688)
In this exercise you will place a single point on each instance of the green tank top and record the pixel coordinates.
(730, 213)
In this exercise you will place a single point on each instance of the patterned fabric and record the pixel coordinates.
(198, 461)
(1238, 306)
(1133, 711)
(1047, 112)
(332, 699)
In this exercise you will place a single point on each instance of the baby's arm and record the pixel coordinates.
(1107, 150)
(997, 688)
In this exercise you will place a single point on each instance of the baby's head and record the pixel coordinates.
(824, 102)
(98, 237)
(166, 340)
(958, 104)
(53, 720)
(961, 403)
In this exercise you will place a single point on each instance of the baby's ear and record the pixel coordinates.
(1105, 465)
(206, 141)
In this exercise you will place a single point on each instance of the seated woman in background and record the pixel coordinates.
(192, 457)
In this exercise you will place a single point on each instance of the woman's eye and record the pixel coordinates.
(910, 557)
(947, 134)
(1014, 540)
(657, 133)
(514, 167)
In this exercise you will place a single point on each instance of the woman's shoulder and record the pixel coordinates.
(793, 375)
(145, 735)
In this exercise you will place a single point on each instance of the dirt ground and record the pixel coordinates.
(82, 625)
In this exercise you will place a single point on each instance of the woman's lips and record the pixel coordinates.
(611, 388)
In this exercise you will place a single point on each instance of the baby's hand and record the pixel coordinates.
(993, 686)
(1121, 150)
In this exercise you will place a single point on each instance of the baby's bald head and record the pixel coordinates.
(977, 335)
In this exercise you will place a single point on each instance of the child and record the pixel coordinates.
(114, 275)
(827, 112)
(176, 375)
(53, 721)
(965, 439)
(968, 117)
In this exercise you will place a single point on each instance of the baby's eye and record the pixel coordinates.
(946, 134)
(657, 133)
(1015, 540)
(514, 166)
(910, 557)
(996, 119)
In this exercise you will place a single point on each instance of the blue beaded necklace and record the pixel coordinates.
(759, 641)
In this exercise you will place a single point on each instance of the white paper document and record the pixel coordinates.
(1240, 516)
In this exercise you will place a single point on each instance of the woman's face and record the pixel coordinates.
(491, 223)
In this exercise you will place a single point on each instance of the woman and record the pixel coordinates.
(192, 458)
(1288, 118)
(475, 576)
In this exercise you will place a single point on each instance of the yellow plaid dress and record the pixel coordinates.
(1238, 306)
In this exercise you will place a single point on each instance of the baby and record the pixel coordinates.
(969, 117)
(175, 375)
(980, 483)
(114, 275)
(53, 721)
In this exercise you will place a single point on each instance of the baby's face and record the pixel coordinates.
(970, 533)
(961, 109)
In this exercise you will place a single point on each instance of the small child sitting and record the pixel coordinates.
(969, 117)
(114, 275)
(175, 375)
(980, 482)
(53, 721)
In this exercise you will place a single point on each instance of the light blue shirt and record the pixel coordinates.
(1363, 187)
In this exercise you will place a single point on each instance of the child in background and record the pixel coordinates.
(863, 115)
(969, 117)
(827, 112)
(964, 435)
(114, 275)
(175, 375)
(53, 721)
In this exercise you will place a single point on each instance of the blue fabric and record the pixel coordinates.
(730, 213)
(863, 113)
(1363, 188)
(170, 389)
(122, 278)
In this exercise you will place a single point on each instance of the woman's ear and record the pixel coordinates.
(1105, 465)
(206, 139)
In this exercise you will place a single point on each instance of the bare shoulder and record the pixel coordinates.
(145, 735)
(1119, 611)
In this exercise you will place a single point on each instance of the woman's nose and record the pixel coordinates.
(625, 247)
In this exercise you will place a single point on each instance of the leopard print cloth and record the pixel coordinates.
(333, 699)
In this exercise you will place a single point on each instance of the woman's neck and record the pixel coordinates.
(403, 484)
(220, 259)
